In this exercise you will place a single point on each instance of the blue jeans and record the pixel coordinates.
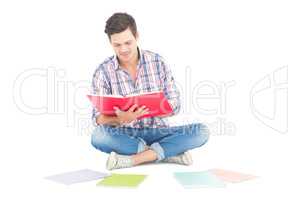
(166, 142)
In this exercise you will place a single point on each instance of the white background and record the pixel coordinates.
(49, 50)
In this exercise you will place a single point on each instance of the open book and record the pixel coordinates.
(156, 102)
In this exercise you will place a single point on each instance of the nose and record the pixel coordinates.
(123, 49)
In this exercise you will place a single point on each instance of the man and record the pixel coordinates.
(129, 140)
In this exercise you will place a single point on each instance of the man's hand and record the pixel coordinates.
(132, 114)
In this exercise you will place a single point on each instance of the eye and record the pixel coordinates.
(128, 43)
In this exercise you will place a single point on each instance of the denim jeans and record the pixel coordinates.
(165, 142)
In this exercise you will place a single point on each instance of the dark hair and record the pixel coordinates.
(119, 22)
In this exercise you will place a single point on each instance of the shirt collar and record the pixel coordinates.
(140, 55)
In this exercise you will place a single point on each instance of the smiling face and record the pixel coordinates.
(125, 46)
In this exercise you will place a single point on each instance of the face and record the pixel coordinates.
(124, 45)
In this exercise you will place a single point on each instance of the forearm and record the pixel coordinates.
(108, 120)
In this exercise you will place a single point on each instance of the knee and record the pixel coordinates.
(100, 140)
(202, 135)
(96, 137)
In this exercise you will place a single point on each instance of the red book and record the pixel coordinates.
(156, 102)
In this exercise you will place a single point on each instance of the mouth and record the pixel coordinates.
(125, 54)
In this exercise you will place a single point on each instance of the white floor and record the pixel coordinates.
(39, 152)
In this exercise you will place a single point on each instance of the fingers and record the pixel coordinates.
(142, 111)
(133, 113)
(117, 111)
(132, 108)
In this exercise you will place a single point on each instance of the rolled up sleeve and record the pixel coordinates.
(169, 87)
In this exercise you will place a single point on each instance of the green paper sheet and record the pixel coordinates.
(122, 180)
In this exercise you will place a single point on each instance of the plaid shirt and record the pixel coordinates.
(153, 74)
